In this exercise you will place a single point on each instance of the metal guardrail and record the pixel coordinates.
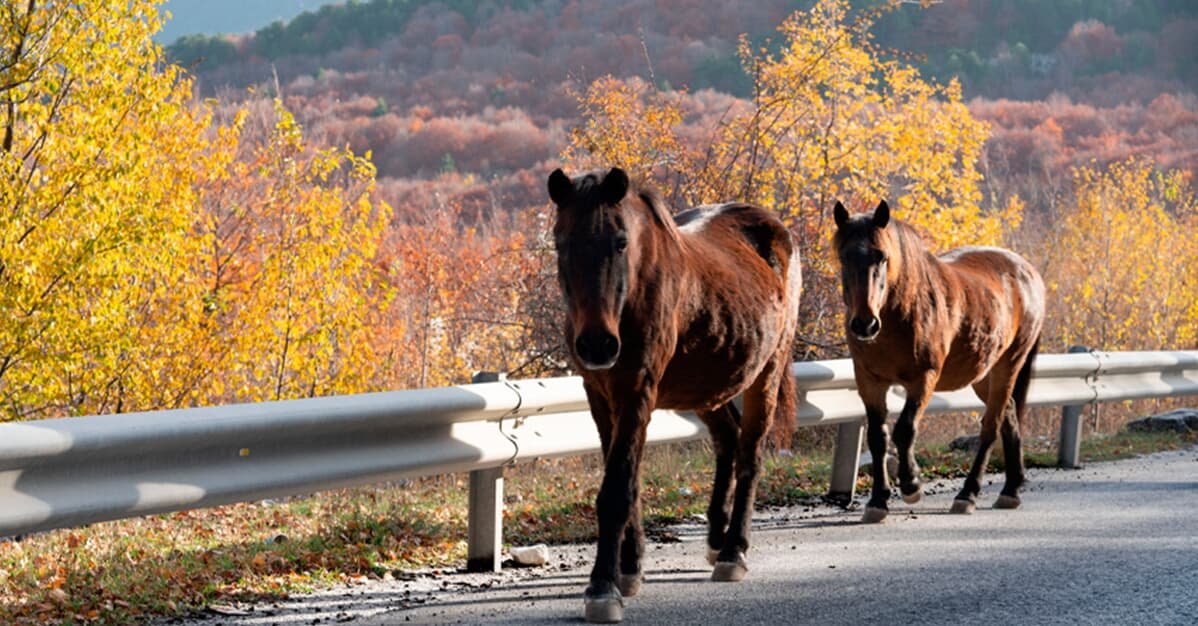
(66, 472)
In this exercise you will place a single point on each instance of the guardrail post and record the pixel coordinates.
(845, 459)
(1069, 452)
(485, 514)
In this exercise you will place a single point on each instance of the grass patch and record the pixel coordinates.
(132, 570)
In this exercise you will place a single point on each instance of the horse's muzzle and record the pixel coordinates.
(597, 350)
(865, 329)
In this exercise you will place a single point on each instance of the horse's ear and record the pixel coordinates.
(615, 186)
(882, 215)
(561, 190)
(841, 214)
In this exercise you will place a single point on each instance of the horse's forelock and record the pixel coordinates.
(856, 229)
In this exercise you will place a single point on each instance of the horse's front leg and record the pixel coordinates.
(618, 501)
(905, 429)
(873, 395)
(632, 546)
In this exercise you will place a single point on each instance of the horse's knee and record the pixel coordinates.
(611, 503)
(903, 435)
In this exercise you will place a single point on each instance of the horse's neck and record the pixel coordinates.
(920, 288)
(667, 269)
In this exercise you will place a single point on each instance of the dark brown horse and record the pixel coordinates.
(971, 316)
(682, 313)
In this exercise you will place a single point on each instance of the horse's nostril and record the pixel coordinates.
(580, 348)
(865, 328)
(611, 346)
(597, 348)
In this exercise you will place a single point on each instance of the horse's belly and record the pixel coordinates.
(699, 386)
(963, 368)
(700, 379)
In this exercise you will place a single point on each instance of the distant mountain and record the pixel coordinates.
(209, 17)
(486, 90)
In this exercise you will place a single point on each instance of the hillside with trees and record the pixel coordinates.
(441, 90)
(354, 200)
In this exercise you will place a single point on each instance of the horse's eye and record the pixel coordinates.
(877, 256)
(621, 244)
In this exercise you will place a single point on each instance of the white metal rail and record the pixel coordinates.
(65, 472)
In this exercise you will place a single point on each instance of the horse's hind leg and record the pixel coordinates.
(723, 423)
(1012, 447)
(1011, 439)
(998, 386)
(760, 401)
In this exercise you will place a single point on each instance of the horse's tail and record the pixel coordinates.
(786, 413)
(1024, 378)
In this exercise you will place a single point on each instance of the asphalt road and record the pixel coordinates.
(1114, 543)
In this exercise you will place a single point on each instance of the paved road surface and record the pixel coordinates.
(1115, 543)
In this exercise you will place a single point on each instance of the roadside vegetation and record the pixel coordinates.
(132, 570)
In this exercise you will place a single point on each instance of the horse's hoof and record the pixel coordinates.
(874, 515)
(713, 555)
(604, 609)
(914, 496)
(730, 571)
(962, 507)
(1007, 502)
(629, 584)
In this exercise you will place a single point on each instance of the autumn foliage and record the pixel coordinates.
(165, 251)
(1122, 266)
(829, 119)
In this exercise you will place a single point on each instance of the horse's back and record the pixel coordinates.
(988, 268)
(714, 224)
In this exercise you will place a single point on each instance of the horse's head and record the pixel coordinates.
(595, 234)
(869, 261)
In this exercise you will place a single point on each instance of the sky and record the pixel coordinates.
(228, 16)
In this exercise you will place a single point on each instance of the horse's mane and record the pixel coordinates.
(587, 190)
(918, 285)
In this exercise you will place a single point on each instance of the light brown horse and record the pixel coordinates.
(971, 316)
(682, 313)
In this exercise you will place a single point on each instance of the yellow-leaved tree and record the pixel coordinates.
(152, 256)
(96, 183)
(830, 119)
(283, 295)
(1122, 269)
(627, 123)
